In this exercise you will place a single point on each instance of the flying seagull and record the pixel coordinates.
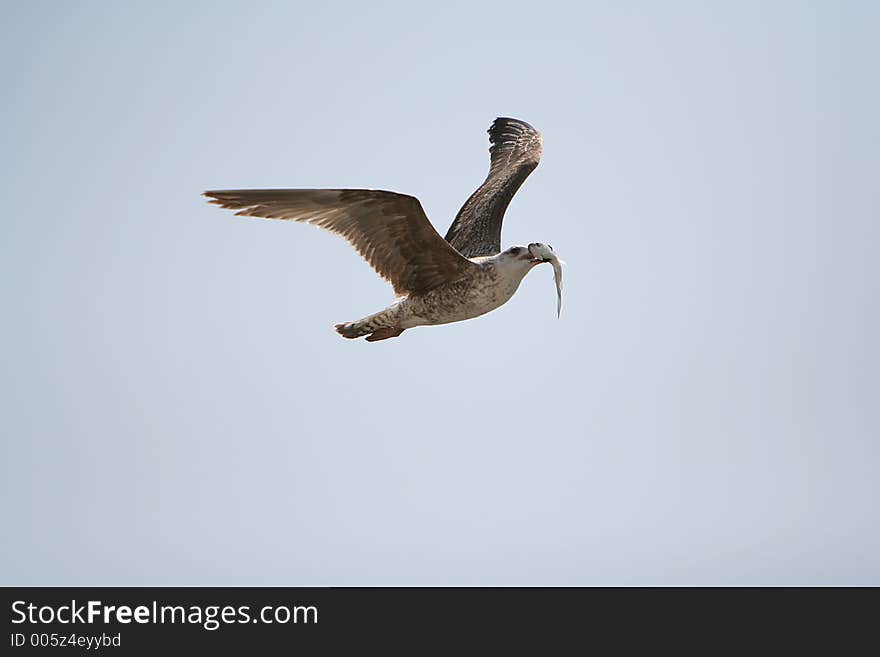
(437, 280)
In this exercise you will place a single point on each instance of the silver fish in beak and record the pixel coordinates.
(544, 253)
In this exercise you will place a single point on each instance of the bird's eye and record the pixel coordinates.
(514, 251)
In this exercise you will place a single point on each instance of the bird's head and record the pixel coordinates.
(518, 261)
(533, 254)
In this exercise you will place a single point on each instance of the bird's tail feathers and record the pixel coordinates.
(380, 326)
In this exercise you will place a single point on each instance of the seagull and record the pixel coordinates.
(436, 280)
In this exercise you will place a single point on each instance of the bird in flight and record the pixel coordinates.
(436, 280)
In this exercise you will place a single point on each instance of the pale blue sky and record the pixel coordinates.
(177, 408)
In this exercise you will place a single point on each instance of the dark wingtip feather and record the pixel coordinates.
(213, 197)
(508, 135)
(505, 126)
(226, 199)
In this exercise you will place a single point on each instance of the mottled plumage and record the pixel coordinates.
(441, 281)
(389, 230)
(514, 154)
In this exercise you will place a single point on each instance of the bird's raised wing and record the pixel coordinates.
(514, 154)
(389, 230)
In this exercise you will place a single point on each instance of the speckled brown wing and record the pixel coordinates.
(514, 154)
(389, 230)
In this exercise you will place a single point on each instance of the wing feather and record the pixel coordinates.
(389, 230)
(514, 153)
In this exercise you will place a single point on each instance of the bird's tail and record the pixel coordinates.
(380, 326)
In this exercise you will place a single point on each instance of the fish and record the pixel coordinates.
(546, 253)
(557, 275)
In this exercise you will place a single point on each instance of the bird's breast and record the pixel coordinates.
(463, 299)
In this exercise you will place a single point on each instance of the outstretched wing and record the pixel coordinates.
(389, 230)
(514, 154)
